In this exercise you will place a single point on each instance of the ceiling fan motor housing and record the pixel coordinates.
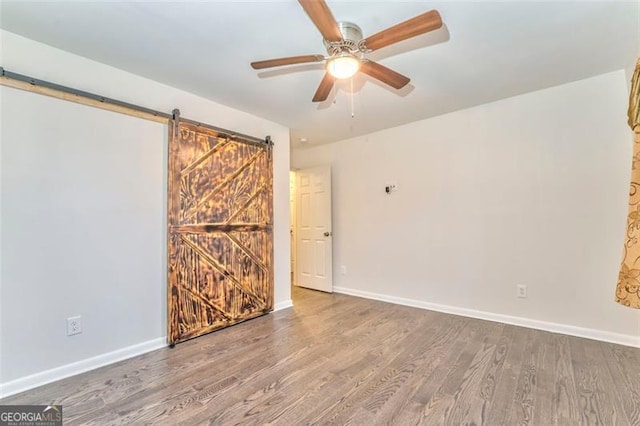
(351, 40)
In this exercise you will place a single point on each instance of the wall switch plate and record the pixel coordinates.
(343, 270)
(74, 325)
(521, 291)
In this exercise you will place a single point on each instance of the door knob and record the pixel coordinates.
(328, 234)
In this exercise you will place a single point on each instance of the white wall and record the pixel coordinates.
(83, 163)
(631, 66)
(629, 70)
(83, 208)
(528, 190)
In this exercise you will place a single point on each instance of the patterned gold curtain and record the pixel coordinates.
(628, 288)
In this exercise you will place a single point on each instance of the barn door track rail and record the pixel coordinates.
(47, 88)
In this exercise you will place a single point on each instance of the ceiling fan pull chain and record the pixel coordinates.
(353, 113)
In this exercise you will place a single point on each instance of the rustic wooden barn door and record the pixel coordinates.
(220, 240)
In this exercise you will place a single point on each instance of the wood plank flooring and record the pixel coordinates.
(336, 359)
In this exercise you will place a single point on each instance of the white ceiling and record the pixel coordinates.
(487, 50)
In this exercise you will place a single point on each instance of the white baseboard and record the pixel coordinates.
(29, 382)
(589, 333)
(283, 305)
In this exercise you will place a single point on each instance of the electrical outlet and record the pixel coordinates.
(74, 325)
(343, 270)
(521, 291)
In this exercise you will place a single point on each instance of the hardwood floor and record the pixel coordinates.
(336, 359)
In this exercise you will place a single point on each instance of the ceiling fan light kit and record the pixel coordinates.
(344, 65)
(347, 48)
(343, 61)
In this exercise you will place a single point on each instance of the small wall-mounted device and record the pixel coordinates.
(389, 188)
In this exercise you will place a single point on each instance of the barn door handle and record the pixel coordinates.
(328, 234)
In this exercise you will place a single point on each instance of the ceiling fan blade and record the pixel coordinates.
(415, 26)
(258, 65)
(324, 89)
(384, 74)
(322, 18)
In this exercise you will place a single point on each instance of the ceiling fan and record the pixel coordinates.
(347, 48)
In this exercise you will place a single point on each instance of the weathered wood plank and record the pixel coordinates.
(599, 399)
(620, 362)
(523, 398)
(220, 227)
(565, 398)
(499, 410)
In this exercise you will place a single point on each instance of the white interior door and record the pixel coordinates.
(313, 229)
